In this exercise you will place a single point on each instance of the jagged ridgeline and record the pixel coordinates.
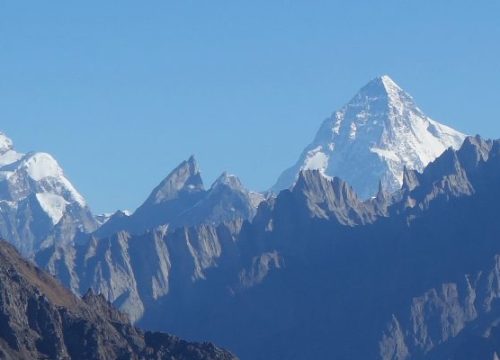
(380, 243)
(406, 275)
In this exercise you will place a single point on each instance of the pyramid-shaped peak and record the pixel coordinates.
(388, 82)
(372, 138)
(185, 169)
(186, 176)
(383, 85)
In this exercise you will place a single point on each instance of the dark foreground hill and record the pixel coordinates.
(40, 319)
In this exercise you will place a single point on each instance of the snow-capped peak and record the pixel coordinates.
(372, 138)
(6, 143)
(7, 153)
(389, 84)
(37, 175)
(41, 165)
(46, 174)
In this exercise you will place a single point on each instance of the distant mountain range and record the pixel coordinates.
(181, 199)
(408, 275)
(380, 243)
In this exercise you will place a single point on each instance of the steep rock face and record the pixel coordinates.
(373, 138)
(330, 198)
(227, 200)
(135, 272)
(379, 279)
(456, 319)
(452, 175)
(440, 323)
(177, 235)
(179, 191)
(38, 205)
(40, 319)
(181, 200)
(321, 268)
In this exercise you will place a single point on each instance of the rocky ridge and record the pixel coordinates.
(41, 319)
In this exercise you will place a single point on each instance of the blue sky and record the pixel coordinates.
(121, 91)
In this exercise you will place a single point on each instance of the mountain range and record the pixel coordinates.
(378, 279)
(380, 243)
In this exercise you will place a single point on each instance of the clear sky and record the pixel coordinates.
(121, 91)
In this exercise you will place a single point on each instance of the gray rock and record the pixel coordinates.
(181, 200)
(42, 320)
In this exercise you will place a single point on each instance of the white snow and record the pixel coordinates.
(336, 126)
(54, 205)
(7, 153)
(352, 130)
(316, 160)
(74, 194)
(379, 132)
(388, 154)
(42, 165)
(5, 143)
(8, 157)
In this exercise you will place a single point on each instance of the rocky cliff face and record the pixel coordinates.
(404, 275)
(400, 276)
(42, 320)
(178, 234)
(136, 271)
(181, 200)
(444, 321)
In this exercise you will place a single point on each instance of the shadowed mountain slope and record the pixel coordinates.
(39, 319)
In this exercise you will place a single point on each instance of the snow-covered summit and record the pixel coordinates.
(7, 153)
(35, 197)
(38, 172)
(372, 138)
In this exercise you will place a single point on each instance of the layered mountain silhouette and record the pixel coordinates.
(319, 273)
(42, 320)
(380, 244)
